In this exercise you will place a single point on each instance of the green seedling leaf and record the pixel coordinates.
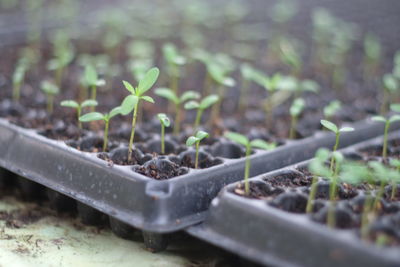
(92, 116)
(191, 141)
(395, 107)
(390, 82)
(346, 129)
(309, 85)
(148, 81)
(238, 138)
(192, 105)
(172, 56)
(200, 135)
(329, 125)
(246, 71)
(394, 118)
(354, 173)
(379, 118)
(147, 98)
(164, 119)
(297, 107)
(70, 104)
(114, 112)
(89, 103)
(168, 94)
(208, 101)
(189, 95)
(49, 88)
(128, 104)
(332, 108)
(129, 87)
(258, 143)
(91, 75)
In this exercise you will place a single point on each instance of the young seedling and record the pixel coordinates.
(373, 51)
(290, 56)
(17, 80)
(396, 164)
(333, 128)
(296, 109)
(165, 122)
(387, 123)
(390, 86)
(78, 107)
(318, 169)
(256, 143)
(334, 177)
(177, 101)
(51, 90)
(92, 81)
(97, 116)
(195, 140)
(131, 102)
(174, 62)
(331, 109)
(63, 56)
(207, 102)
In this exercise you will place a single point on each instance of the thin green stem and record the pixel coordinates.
(198, 119)
(243, 94)
(292, 133)
(59, 73)
(385, 139)
(216, 109)
(207, 84)
(178, 118)
(335, 147)
(311, 197)
(78, 113)
(196, 162)
(247, 170)
(385, 100)
(93, 96)
(133, 131)
(379, 195)
(331, 220)
(50, 99)
(105, 141)
(162, 139)
(16, 92)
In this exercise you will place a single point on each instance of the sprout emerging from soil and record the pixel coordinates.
(92, 81)
(131, 102)
(390, 86)
(51, 90)
(296, 109)
(387, 123)
(333, 128)
(256, 143)
(17, 80)
(78, 107)
(174, 62)
(96, 116)
(165, 122)
(207, 102)
(331, 109)
(177, 101)
(195, 140)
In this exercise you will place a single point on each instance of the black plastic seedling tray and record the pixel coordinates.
(270, 236)
(139, 201)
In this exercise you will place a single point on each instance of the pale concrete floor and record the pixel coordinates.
(61, 240)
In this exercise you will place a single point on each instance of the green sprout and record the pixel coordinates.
(290, 56)
(92, 81)
(256, 143)
(396, 164)
(177, 101)
(131, 102)
(333, 128)
(373, 53)
(201, 106)
(387, 123)
(174, 61)
(331, 109)
(195, 140)
(78, 107)
(51, 90)
(17, 80)
(296, 109)
(165, 122)
(97, 116)
(395, 107)
(390, 86)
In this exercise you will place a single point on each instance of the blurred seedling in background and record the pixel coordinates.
(18, 79)
(92, 81)
(337, 131)
(256, 143)
(195, 140)
(296, 109)
(178, 102)
(50, 90)
(201, 106)
(396, 164)
(332, 109)
(174, 62)
(390, 88)
(132, 101)
(165, 122)
(387, 123)
(79, 107)
(97, 116)
(372, 54)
